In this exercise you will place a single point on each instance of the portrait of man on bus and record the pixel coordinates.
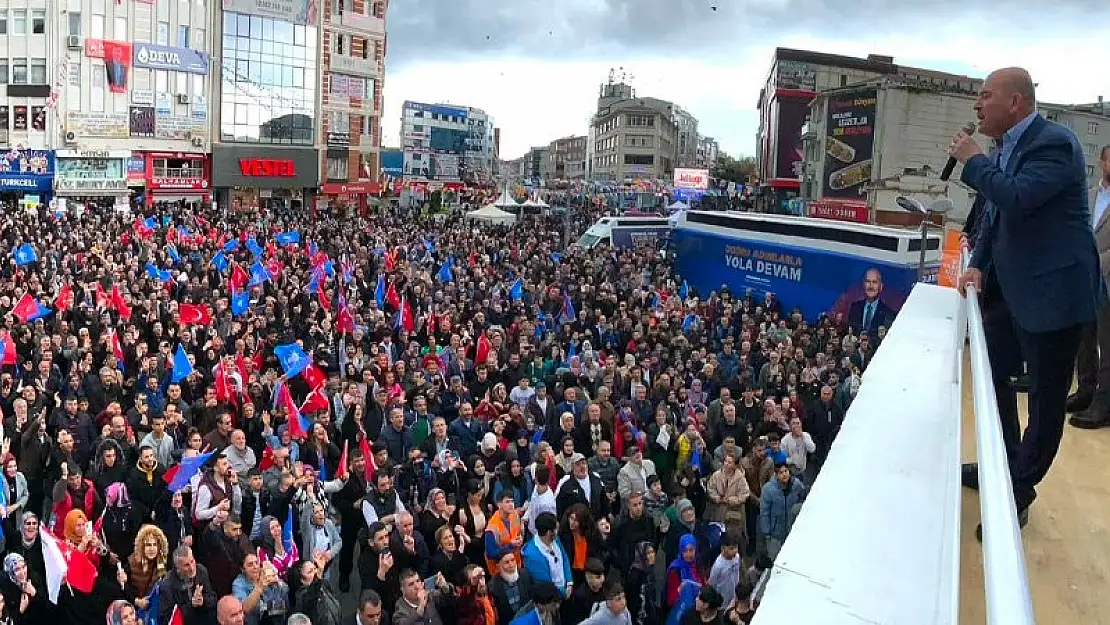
(867, 314)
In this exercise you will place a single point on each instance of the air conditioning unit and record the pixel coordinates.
(73, 42)
(71, 137)
(198, 141)
(182, 98)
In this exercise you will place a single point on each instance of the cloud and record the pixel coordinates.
(536, 65)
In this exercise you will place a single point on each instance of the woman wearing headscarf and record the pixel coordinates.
(640, 587)
(683, 568)
(436, 514)
(146, 565)
(121, 612)
(15, 492)
(121, 519)
(30, 547)
(515, 479)
(24, 601)
(78, 535)
(272, 549)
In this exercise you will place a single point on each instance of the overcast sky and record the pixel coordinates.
(536, 65)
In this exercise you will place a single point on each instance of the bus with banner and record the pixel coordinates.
(816, 266)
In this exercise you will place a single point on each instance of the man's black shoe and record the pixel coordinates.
(969, 475)
(344, 585)
(1023, 520)
(1079, 401)
(1022, 383)
(1094, 417)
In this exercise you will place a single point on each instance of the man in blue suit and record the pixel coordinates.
(871, 312)
(1035, 264)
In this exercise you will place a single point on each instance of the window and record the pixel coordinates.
(337, 168)
(19, 22)
(843, 80)
(96, 27)
(4, 121)
(339, 121)
(161, 81)
(38, 118)
(98, 80)
(182, 83)
(38, 22)
(1089, 148)
(19, 71)
(120, 29)
(19, 117)
(4, 24)
(1092, 128)
(1090, 171)
(38, 71)
(3, 71)
(74, 73)
(198, 38)
(163, 35)
(74, 24)
(639, 159)
(198, 85)
(183, 36)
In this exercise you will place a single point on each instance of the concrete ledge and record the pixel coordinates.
(877, 541)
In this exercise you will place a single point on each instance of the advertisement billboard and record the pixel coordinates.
(691, 178)
(142, 121)
(153, 56)
(296, 11)
(624, 237)
(849, 144)
(812, 280)
(792, 115)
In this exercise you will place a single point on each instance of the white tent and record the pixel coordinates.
(541, 204)
(492, 215)
(529, 203)
(505, 201)
(678, 206)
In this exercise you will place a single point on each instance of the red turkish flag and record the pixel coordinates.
(392, 298)
(315, 402)
(482, 351)
(195, 314)
(239, 277)
(25, 308)
(314, 377)
(341, 472)
(121, 306)
(64, 299)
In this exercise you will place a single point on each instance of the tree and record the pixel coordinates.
(737, 170)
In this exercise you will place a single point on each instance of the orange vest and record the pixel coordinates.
(504, 537)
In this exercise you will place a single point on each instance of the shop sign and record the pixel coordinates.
(355, 188)
(28, 170)
(182, 184)
(339, 139)
(350, 65)
(841, 210)
(365, 23)
(142, 97)
(90, 185)
(267, 168)
(153, 56)
(99, 125)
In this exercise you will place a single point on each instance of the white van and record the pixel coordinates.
(622, 232)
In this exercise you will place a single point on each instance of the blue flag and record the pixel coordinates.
(149, 616)
(220, 262)
(689, 321)
(231, 246)
(567, 313)
(528, 618)
(240, 303)
(312, 249)
(171, 249)
(292, 358)
(152, 271)
(40, 312)
(25, 255)
(259, 275)
(379, 291)
(687, 595)
(323, 469)
(150, 223)
(254, 247)
(556, 257)
(444, 274)
(516, 291)
(287, 531)
(182, 368)
(288, 238)
(186, 469)
(684, 291)
(428, 245)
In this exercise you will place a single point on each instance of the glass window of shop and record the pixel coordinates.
(89, 168)
(268, 81)
(191, 168)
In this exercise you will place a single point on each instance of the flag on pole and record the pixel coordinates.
(182, 368)
(341, 471)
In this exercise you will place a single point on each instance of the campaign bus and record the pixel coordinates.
(625, 232)
(815, 265)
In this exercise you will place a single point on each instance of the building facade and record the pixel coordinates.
(1091, 123)
(568, 158)
(686, 138)
(26, 38)
(632, 137)
(707, 153)
(794, 80)
(445, 143)
(353, 65)
(537, 165)
(265, 154)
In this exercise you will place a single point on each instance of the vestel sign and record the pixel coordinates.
(267, 168)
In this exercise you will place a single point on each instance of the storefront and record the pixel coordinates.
(176, 177)
(90, 176)
(26, 178)
(267, 177)
(350, 196)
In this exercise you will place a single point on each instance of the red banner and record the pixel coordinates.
(841, 210)
(117, 64)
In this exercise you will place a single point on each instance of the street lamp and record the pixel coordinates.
(938, 207)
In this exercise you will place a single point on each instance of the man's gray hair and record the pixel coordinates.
(182, 552)
(298, 619)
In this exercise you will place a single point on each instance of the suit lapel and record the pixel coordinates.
(1031, 133)
(1101, 220)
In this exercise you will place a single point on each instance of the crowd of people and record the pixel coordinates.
(487, 426)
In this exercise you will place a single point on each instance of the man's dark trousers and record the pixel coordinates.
(1050, 358)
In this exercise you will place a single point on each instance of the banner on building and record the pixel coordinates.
(99, 125)
(152, 56)
(792, 115)
(177, 127)
(117, 64)
(142, 121)
(849, 143)
(296, 11)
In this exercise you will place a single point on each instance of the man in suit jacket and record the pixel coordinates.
(580, 486)
(1035, 264)
(867, 314)
(1094, 370)
(370, 610)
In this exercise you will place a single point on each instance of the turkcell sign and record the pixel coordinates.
(153, 56)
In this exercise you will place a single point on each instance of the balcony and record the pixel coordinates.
(179, 173)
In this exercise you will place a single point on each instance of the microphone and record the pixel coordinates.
(969, 128)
